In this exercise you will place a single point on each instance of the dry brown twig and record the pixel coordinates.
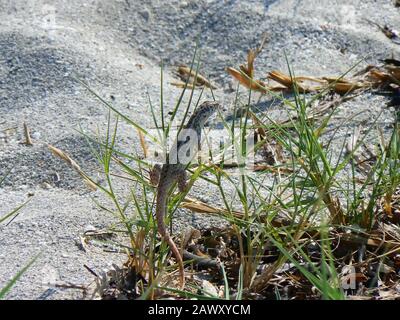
(143, 144)
(193, 80)
(372, 77)
(63, 156)
(28, 140)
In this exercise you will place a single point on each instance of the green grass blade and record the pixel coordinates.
(12, 282)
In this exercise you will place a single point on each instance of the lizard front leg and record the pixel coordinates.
(182, 181)
(155, 173)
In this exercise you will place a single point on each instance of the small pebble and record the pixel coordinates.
(35, 135)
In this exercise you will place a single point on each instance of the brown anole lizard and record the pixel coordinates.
(174, 171)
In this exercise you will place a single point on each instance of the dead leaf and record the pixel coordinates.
(256, 85)
(288, 82)
(186, 73)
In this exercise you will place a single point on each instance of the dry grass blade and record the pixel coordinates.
(274, 169)
(201, 207)
(249, 69)
(251, 56)
(63, 156)
(343, 86)
(260, 128)
(264, 40)
(372, 241)
(182, 85)
(242, 77)
(378, 77)
(28, 140)
(257, 167)
(321, 108)
(288, 82)
(143, 144)
(245, 75)
(198, 80)
(372, 77)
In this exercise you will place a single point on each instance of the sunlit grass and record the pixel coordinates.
(313, 197)
(8, 217)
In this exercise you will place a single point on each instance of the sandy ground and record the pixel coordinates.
(116, 46)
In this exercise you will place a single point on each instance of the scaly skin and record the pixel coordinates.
(172, 172)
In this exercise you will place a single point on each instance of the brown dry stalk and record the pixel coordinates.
(281, 170)
(245, 80)
(181, 84)
(257, 167)
(288, 82)
(143, 144)
(372, 77)
(251, 56)
(371, 241)
(198, 206)
(201, 207)
(197, 80)
(65, 157)
(343, 86)
(28, 140)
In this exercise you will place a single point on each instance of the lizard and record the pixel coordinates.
(174, 171)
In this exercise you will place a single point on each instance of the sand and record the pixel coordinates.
(116, 47)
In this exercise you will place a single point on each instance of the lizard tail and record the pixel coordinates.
(178, 257)
(160, 214)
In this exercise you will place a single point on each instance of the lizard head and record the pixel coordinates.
(204, 112)
(195, 125)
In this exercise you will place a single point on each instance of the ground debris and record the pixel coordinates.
(191, 78)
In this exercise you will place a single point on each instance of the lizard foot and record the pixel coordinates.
(183, 186)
